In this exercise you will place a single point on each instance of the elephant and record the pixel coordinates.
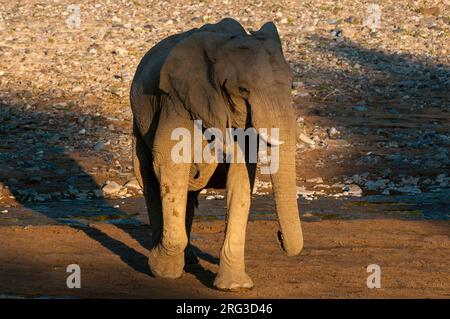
(225, 77)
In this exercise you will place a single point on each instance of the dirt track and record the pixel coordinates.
(413, 256)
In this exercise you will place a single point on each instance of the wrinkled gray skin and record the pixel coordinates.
(226, 78)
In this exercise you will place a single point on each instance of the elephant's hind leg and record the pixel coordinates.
(189, 254)
(143, 170)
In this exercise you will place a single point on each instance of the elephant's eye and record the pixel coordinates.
(243, 90)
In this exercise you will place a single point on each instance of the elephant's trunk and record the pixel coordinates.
(285, 193)
(284, 178)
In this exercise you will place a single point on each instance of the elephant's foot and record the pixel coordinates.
(165, 266)
(231, 280)
(190, 257)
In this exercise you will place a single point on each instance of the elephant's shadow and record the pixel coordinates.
(57, 171)
(139, 261)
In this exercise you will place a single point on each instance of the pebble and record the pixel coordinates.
(101, 145)
(317, 180)
(133, 184)
(375, 185)
(215, 197)
(353, 190)
(409, 189)
(333, 132)
(111, 188)
(301, 190)
(305, 139)
(409, 77)
(360, 107)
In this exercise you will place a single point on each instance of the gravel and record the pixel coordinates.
(357, 89)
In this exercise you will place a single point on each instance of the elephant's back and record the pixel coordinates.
(145, 94)
(148, 69)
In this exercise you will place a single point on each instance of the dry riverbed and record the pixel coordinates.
(413, 256)
(372, 109)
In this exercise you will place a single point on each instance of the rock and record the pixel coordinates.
(332, 21)
(309, 28)
(301, 190)
(409, 189)
(338, 143)
(215, 197)
(317, 180)
(336, 33)
(325, 186)
(305, 139)
(133, 184)
(410, 180)
(375, 185)
(338, 185)
(5, 211)
(353, 190)
(111, 188)
(361, 107)
(120, 51)
(41, 198)
(333, 132)
(101, 145)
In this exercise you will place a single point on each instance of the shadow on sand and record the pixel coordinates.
(45, 179)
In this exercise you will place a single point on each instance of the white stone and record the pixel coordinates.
(133, 184)
(111, 188)
(305, 139)
(354, 190)
(317, 180)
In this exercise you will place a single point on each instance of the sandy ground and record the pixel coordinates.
(65, 130)
(413, 256)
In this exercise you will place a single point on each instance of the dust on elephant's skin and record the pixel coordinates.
(226, 78)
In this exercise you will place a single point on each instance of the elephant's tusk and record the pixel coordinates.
(270, 140)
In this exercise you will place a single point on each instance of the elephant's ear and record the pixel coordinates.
(188, 76)
(269, 31)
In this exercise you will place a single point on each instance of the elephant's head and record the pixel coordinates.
(240, 80)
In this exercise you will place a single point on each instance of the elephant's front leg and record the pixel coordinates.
(167, 258)
(232, 273)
